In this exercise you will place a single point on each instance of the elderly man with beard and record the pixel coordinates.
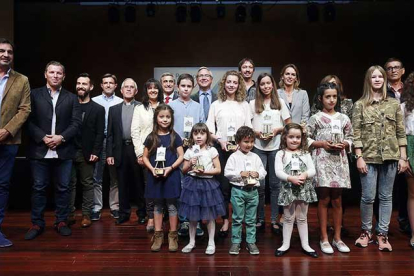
(88, 146)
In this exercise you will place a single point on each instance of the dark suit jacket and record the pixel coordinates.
(196, 97)
(114, 133)
(93, 126)
(15, 106)
(68, 121)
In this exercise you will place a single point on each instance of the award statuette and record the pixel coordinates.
(160, 161)
(336, 134)
(231, 132)
(197, 153)
(267, 130)
(249, 180)
(188, 125)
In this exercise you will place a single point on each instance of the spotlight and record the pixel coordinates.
(221, 11)
(181, 13)
(150, 10)
(256, 13)
(313, 12)
(130, 15)
(113, 14)
(241, 14)
(329, 12)
(195, 13)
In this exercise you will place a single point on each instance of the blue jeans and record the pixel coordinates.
(41, 171)
(7, 157)
(385, 174)
(274, 185)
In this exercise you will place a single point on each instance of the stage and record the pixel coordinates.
(108, 249)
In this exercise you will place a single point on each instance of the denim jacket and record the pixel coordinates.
(379, 130)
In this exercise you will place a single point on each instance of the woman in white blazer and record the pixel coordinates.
(296, 99)
(141, 126)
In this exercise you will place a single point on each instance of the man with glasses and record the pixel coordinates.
(395, 71)
(205, 95)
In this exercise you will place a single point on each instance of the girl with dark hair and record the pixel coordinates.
(330, 136)
(163, 146)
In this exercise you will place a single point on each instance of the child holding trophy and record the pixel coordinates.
(270, 113)
(225, 117)
(201, 197)
(163, 154)
(330, 135)
(244, 169)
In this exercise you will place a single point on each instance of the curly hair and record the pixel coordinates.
(408, 93)
(244, 132)
(303, 143)
(241, 89)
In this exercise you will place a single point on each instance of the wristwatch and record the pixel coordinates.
(63, 139)
(357, 156)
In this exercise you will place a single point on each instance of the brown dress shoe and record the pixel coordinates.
(172, 241)
(86, 221)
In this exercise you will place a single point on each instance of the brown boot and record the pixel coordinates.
(172, 241)
(86, 221)
(157, 241)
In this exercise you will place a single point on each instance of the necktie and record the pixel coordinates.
(206, 105)
(167, 99)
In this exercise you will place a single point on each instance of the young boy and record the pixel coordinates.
(244, 169)
(187, 113)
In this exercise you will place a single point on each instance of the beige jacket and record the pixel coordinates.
(141, 126)
(15, 107)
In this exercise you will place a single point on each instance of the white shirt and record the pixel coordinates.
(221, 113)
(107, 102)
(53, 153)
(277, 118)
(141, 127)
(205, 158)
(237, 164)
(283, 158)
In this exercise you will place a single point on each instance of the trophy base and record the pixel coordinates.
(267, 135)
(251, 181)
(159, 171)
(199, 167)
(231, 147)
(186, 143)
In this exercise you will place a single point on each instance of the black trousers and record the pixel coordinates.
(130, 177)
(225, 186)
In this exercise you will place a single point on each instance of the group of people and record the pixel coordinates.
(188, 156)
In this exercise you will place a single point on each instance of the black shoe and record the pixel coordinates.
(260, 225)
(311, 254)
(115, 214)
(276, 231)
(33, 232)
(63, 229)
(122, 219)
(141, 220)
(96, 216)
(223, 234)
(280, 253)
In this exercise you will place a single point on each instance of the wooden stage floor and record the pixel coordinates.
(107, 249)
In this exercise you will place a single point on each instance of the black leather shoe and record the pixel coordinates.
(122, 219)
(311, 254)
(63, 229)
(33, 232)
(280, 253)
(276, 231)
(141, 220)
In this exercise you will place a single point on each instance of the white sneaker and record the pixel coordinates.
(188, 248)
(326, 247)
(211, 249)
(341, 246)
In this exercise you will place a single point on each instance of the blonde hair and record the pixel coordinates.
(366, 98)
(241, 89)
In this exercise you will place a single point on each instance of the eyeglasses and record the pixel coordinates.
(204, 76)
(393, 68)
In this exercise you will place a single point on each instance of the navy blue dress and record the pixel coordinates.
(164, 187)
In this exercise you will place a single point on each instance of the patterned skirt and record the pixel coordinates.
(201, 199)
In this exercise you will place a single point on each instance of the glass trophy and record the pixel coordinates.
(188, 125)
(267, 130)
(249, 180)
(160, 161)
(231, 132)
(197, 154)
(336, 133)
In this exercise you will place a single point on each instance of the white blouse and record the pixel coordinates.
(277, 118)
(283, 158)
(141, 127)
(205, 158)
(222, 113)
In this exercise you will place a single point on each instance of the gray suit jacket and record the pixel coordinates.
(300, 110)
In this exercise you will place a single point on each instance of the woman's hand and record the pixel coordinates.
(362, 166)
(402, 166)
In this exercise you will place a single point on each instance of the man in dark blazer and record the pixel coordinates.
(14, 110)
(168, 84)
(53, 125)
(205, 95)
(88, 146)
(120, 153)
